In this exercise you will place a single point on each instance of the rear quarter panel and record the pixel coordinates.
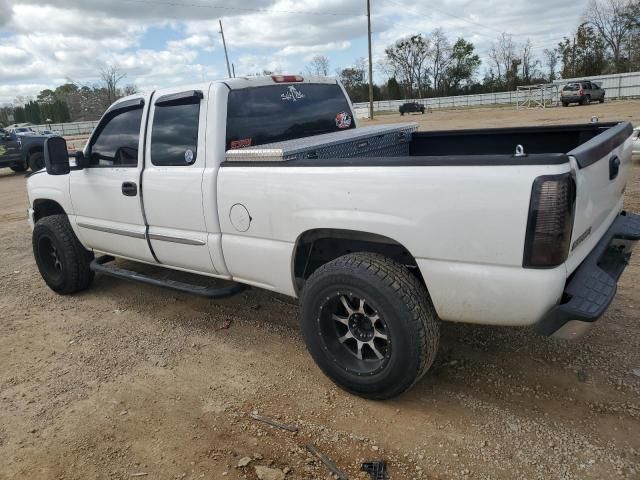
(457, 221)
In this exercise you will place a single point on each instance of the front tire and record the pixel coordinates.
(36, 161)
(19, 168)
(62, 260)
(369, 325)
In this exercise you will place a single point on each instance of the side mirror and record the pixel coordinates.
(81, 160)
(56, 156)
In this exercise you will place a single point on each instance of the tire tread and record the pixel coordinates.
(410, 291)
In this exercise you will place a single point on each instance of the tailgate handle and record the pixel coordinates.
(614, 167)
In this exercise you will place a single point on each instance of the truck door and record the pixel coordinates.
(9, 148)
(173, 177)
(106, 194)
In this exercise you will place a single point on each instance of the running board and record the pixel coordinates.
(98, 266)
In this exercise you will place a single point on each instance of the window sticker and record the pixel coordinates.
(188, 156)
(245, 142)
(292, 94)
(343, 120)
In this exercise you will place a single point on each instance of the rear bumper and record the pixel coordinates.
(591, 288)
(571, 99)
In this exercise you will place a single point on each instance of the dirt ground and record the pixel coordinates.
(126, 381)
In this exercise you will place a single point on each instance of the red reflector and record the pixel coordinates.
(287, 78)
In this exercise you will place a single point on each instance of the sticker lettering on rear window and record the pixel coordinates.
(292, 94)
(245, 142)
(343, 120)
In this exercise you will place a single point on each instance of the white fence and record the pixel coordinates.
(68, 129)
(623, 85)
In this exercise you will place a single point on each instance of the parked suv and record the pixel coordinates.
(411, 107)
(583, 92)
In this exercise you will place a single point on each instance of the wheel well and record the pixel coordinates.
(314, 248)
(45, 208)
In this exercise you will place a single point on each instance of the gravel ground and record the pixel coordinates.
(126, 381)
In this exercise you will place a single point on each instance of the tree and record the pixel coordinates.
(528, 63)
(393, 89)
(614, 22)
(551, 62)
(462, 67)
(110, 77)
(407, 61)
(503, 56)
(318, 66)
(584, 54)
(354, 79)
(440, 55)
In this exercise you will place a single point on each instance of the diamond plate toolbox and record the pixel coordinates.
(378, 140)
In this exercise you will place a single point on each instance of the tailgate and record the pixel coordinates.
(602, 167)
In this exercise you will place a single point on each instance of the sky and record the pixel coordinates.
(161, 43)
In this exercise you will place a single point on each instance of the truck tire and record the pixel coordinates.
(19, 168)
(36, 161)
(369, 325)
(62, 260)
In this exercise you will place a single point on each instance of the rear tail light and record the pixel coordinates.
(581, 92)
(550, 221)
(287, 78)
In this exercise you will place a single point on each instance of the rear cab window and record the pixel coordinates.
(274, 113)
(174, 133)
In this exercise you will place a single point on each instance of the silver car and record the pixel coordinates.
(583, 92)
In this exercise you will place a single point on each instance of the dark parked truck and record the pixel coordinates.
(20, 152)
(382, 232)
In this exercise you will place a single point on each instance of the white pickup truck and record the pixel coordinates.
(514, 227)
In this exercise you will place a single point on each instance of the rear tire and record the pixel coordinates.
(369, 325)
(565, 104)
(36, 161)
(586, 100)
(62, 260)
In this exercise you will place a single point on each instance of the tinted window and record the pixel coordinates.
(572, 87)
(116, 142)
(276, 113)
(174, 135)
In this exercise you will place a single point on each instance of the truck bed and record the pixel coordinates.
(405, 146)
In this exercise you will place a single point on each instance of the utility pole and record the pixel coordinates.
(370, 61)
(224, 44)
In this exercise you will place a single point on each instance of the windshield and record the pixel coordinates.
(275, 113)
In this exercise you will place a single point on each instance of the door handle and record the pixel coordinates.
(614, 167)
(129, 189)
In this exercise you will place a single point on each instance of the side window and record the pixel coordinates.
(116, 141)
(174, 134)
